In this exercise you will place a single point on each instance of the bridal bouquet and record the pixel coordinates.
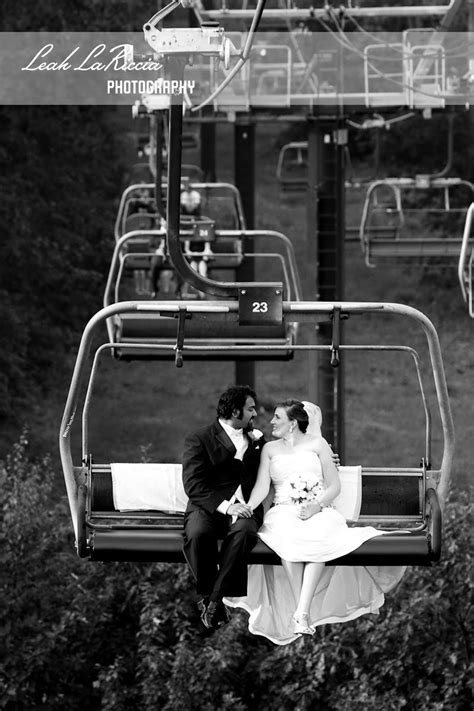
(304, 488)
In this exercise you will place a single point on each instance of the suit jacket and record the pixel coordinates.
(211, 474)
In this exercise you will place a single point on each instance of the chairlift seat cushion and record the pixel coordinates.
(147, 487)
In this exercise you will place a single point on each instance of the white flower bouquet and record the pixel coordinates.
(304, 488)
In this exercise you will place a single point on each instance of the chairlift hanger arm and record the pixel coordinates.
(204, 40)
(187, 41)
(184, 269)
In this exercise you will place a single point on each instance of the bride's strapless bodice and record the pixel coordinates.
(284, 468)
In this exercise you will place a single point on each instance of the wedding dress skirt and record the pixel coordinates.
(343, 592)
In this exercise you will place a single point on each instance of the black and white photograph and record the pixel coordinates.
(236, 355)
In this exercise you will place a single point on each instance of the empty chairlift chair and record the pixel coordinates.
(414, 219)
(292, 166)
(466, 262)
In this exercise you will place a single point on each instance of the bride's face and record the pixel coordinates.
(281, 424)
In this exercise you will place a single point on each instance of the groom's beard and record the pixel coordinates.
(249, 427)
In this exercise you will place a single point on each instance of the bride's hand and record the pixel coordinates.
(307, 510)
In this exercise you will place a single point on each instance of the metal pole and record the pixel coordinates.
(310, 289)
(208, 147)
(244, 174)
(158, 118)
(326, 147)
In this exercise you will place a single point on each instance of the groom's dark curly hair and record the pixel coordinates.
(234, 398)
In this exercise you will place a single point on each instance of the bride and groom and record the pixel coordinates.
(228, 472)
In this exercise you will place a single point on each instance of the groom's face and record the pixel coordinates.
(245, 417)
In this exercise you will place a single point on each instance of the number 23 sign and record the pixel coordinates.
(261, 305)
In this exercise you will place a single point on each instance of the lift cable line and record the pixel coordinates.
(312, 13)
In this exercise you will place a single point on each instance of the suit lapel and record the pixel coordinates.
(224, 439)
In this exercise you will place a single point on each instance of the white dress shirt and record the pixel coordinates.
(240, 442)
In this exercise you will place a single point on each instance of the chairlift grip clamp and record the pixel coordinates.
(178, 360)
(337, 316)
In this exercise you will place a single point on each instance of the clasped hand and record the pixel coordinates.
(240, 510)
(305, 511)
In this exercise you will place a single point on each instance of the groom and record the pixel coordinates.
(220, 465)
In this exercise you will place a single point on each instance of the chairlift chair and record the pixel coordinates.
(220, 202)
(292, 166)
(406, 500)
(393, 208)
(270, 74)
(137, 327)
(466, 262)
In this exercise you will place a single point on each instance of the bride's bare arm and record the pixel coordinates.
(262, 485)
(331, 480)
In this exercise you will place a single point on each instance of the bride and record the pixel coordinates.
(305, 530)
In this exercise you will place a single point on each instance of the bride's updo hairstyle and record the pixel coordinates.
(295, 411)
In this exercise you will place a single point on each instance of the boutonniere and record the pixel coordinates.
(254, 435)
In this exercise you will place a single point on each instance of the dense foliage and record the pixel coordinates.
(58, 194)
(121, 636)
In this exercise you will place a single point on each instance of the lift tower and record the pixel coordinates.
(327, 138)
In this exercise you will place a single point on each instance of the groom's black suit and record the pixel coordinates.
(211, 475)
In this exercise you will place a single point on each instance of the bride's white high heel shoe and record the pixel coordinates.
(301, 624)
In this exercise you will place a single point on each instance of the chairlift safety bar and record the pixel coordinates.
(213, 348)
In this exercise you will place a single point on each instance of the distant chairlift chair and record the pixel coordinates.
(138, 213)
(396, 209)
(466, 262)
(292, 166)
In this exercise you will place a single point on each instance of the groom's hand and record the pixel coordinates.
(335, 458)
(239, 510)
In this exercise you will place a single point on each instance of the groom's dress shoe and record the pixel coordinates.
(202, 609)
(213, 615)
(221, 616)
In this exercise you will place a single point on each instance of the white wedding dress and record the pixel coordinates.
(343, 593)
